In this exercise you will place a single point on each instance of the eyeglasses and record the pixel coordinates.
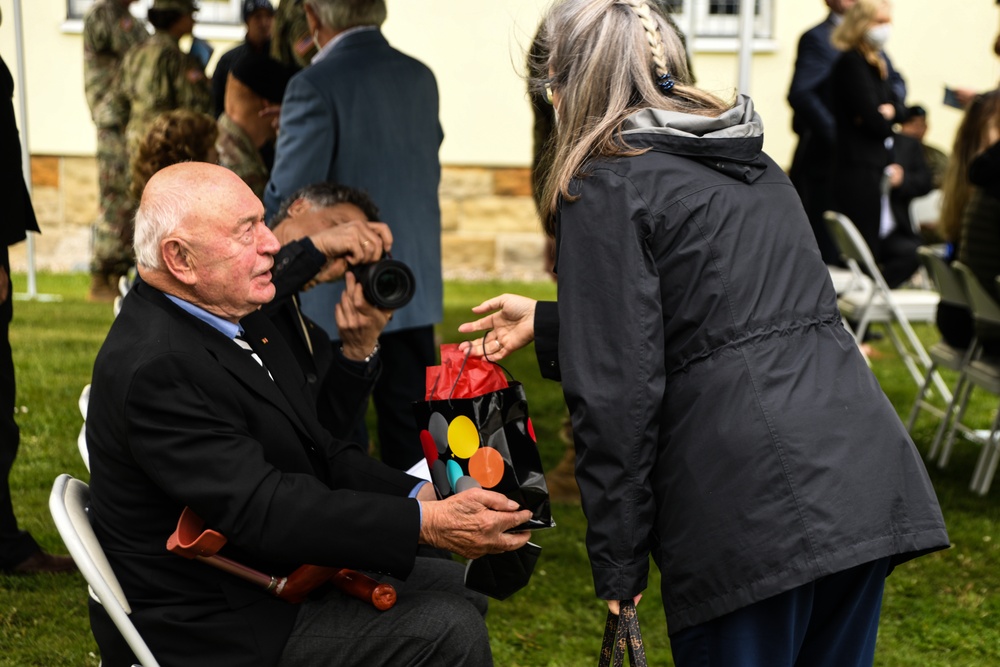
(548, 92)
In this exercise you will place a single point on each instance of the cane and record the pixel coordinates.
(192, 540)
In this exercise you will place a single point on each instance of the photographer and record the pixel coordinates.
(316, 226)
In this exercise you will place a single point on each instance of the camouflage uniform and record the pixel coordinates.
(237, 153)
(291, 42)
(108, 32)
(157, 77)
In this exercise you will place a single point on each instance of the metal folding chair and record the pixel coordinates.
(68, 504)
(949, 286)
(983, 373)
(872, 301)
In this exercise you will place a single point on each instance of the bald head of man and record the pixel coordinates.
(200, 236)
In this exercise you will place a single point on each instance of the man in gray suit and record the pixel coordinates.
(366, 115)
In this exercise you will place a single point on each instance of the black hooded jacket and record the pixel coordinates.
(724, 419)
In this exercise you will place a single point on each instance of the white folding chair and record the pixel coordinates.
(871, 301)
(68, 504)
(949, 286)
(81, 440)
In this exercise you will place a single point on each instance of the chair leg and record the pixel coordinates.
(950, 441)
(982, 463)
(991, 470)
(907, 357)
(920, 399)
(947, 418)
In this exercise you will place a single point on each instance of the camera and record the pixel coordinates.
(387, 283)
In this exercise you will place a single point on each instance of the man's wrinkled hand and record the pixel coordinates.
(473, 523)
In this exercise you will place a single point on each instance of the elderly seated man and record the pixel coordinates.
(183, 415)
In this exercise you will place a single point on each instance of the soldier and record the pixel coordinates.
(109, 30)
(256, 81)
(258, 15)
(292, 43)
(157, 76)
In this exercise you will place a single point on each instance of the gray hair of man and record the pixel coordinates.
(343, 14)
(604, 60)
(157, 218)
(324, 195)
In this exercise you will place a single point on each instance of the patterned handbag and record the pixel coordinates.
(621, 635)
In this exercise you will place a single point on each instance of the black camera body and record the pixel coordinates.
(387, 284)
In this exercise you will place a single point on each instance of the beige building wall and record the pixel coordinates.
(476, 50)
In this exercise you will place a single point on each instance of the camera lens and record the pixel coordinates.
(387, 283)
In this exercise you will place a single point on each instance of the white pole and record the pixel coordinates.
(22, 102)
(746, 45)
(25, 151)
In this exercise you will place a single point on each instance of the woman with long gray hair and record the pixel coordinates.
(724, 420)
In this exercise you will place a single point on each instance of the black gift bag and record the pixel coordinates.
(490, 439)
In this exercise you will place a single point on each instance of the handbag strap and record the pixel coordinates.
(621, 635)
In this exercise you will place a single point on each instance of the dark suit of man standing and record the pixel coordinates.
(18, 551)
(182, 414)
(813, 121)
(365, 115)
(809, 97)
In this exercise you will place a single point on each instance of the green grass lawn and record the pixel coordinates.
(941, 610)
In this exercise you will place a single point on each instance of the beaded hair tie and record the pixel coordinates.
(665, 82)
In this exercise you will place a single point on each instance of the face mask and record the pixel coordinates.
(878, 35)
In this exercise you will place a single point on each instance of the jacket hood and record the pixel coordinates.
(730, 143)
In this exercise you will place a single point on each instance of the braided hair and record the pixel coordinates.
(606, 60)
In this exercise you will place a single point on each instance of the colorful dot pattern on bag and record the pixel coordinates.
(463, 437)
(486, 466)
(438, 428)
(454, 473)
(429, 447)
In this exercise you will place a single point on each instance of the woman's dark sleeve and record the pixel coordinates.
(547, 339)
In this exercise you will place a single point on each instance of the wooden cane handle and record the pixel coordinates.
(191, 540)
(381, 595)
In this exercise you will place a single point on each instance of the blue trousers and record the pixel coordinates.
(831, 622)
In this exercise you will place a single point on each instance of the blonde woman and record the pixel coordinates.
(724, 421)
(864, 108)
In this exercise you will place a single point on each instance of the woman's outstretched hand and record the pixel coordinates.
(509, 327)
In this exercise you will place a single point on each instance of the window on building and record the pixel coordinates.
(719, 18)
(225, 12)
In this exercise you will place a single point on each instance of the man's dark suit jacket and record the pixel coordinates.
(18, 215)
(181, 416)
